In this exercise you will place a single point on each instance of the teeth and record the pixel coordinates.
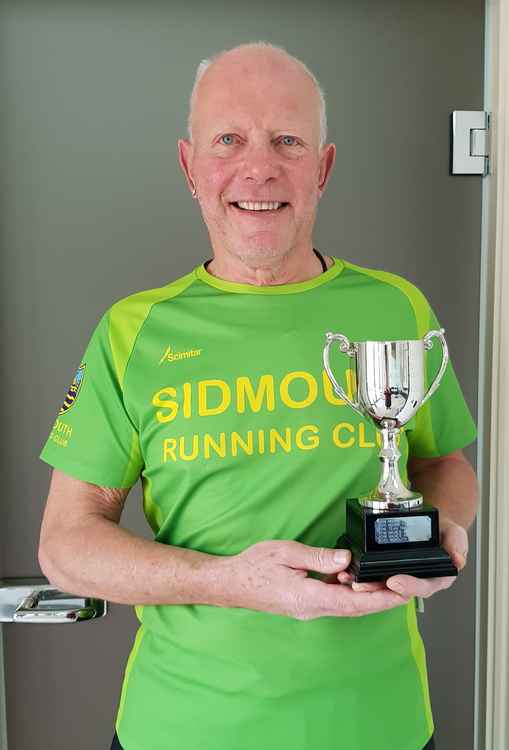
(266, 206)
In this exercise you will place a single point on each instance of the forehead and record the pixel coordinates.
(256, 93)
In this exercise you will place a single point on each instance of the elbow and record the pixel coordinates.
(47, 563)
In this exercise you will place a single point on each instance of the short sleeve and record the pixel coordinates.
(93, 437)
(444, 424)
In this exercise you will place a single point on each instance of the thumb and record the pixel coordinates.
(319, 559)
(454, 540)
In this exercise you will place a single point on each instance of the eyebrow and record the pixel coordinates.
(234, 126)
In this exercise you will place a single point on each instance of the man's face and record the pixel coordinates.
(256, 138)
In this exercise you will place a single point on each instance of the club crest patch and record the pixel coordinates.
(74, 389)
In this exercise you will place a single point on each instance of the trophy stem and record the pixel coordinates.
(391, 492)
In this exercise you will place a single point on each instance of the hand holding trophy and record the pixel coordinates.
(391, 529)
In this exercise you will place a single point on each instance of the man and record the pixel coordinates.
(211, 390)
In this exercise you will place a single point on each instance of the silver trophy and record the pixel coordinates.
(391, 529)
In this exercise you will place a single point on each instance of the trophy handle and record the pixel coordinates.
(428, 343)
(347, 348)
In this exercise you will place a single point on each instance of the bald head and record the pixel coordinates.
(256, 63)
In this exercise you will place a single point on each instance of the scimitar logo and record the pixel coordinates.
(172, 356)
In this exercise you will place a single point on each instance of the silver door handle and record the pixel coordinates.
(35, 600)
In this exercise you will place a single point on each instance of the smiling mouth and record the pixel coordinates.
(259, 212)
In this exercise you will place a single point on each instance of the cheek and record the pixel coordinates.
(214, 178)
(306, 201)
(305, 185)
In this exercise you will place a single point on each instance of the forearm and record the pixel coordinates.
(103, 560)
(452, 488)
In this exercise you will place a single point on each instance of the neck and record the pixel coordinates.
(287, 270)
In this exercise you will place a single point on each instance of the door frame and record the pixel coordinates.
(492, 598)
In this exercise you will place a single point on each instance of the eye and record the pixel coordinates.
(291, 137)
(227, 135)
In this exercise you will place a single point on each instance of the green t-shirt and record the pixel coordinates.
(214, 394)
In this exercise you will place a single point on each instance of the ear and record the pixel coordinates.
(327, 160)
(185, 151)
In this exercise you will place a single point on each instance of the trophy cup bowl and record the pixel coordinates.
(391, 529)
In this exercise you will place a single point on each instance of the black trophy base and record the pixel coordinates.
(393, 542)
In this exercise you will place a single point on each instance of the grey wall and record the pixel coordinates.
(94, 206)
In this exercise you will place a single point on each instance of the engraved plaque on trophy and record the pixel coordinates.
(391, 529)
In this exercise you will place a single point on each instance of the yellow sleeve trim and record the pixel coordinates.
(127, 316)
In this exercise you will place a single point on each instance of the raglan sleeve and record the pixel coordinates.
(94, 438)
(444, 423)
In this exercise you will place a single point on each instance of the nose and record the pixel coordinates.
(260, 163)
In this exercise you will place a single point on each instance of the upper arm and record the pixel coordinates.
(72, 501)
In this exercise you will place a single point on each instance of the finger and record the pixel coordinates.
(459, 559)
(454, 539)
(344, 577)
(458, 556)
(424, 587)
(342, 601)
(409, 585)
(368, 602)
(319, 559)
(369, 586)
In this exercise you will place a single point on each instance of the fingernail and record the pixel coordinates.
(341, 556)
(359, 586)
(397, 587)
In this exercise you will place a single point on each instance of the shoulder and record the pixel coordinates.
(138, 305)
(399, 283)
(123, 321)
